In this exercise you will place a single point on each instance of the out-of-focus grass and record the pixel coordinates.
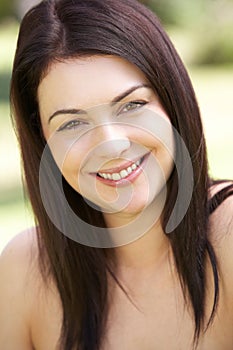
(14, 216)
(8, 38)
(214, 89)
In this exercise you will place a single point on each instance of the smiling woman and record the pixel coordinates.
(100, 145)
(133, 240)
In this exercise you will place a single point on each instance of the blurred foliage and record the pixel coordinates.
(178, 12)
(214, 34)
(215, 46)
(208, 25)
(6, 8)
(15, 8)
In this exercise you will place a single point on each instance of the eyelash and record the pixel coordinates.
(135, 104)
(71, 125)
(74, 124)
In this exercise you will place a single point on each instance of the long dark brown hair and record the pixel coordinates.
(61, 29)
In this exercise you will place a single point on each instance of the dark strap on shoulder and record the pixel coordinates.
(219, 197)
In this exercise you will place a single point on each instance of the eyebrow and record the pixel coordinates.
(115, 100)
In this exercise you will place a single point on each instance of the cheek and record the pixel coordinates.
(69, 156)
(161, 142)
(165, 159)
(71, 167)
(162, 145)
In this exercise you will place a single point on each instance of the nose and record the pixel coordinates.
(111, 141)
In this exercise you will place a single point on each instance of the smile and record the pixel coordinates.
(124, 172)
(128, 173)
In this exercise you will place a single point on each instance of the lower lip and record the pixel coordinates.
(130, 178)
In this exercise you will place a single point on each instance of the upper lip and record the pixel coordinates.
(120, 167)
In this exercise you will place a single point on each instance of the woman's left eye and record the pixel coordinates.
(133, 105)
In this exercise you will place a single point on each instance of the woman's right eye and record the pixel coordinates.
(72, 125)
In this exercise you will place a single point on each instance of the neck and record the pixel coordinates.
(145, 252)
(140, 242)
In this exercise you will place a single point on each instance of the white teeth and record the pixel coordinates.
(129, 170)
(116, 176)
(124, 173)
(134, 166)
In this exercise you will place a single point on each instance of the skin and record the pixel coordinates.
(107, 137)
(104, 139)
(31, 316)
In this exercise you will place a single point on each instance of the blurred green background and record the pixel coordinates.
(202, 32)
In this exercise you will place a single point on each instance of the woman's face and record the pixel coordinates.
(107, 131)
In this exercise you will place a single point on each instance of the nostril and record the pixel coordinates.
(112, 148)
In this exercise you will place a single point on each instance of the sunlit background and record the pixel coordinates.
(202, 32)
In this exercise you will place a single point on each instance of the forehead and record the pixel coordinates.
(87, 81)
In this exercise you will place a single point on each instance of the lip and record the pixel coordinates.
(130, 178)
(120, 167)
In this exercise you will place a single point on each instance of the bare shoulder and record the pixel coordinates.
(22, 242)
(17, 264)
(30, 316)
(20, 254)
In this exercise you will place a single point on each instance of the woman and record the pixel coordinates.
(132, 247)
